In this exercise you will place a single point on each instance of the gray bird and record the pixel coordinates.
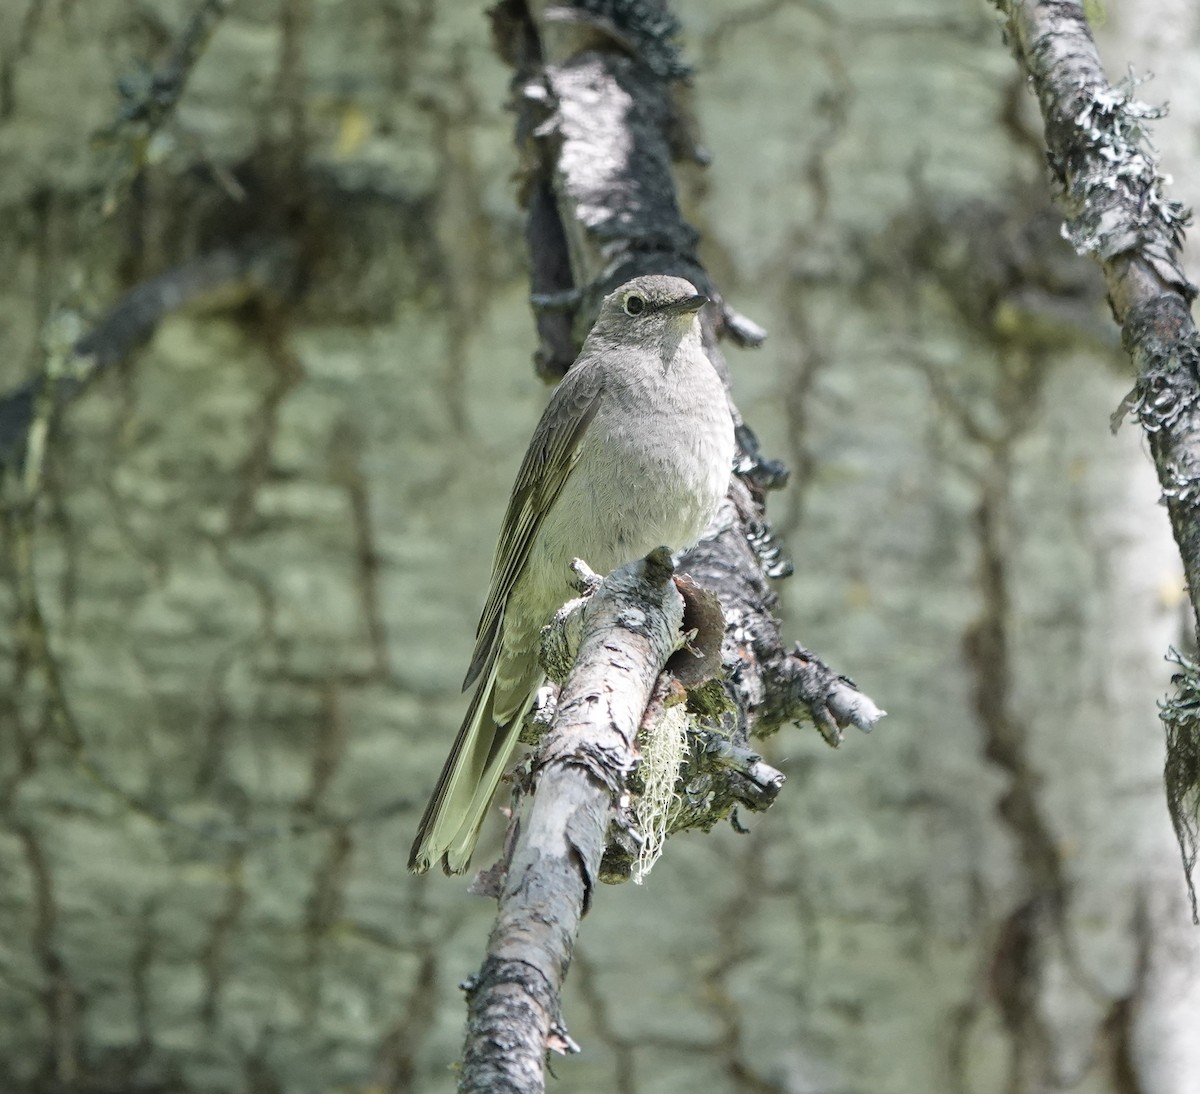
(633, 451)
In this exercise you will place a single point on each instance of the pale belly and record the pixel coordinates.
(662, 495)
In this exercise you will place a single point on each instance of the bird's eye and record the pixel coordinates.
(634, 304)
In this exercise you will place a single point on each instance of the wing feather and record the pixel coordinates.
(549, 460)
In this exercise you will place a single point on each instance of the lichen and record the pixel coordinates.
(664, 750)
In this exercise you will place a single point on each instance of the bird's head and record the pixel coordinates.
(649, 307)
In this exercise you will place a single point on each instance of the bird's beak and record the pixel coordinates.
(686, 305)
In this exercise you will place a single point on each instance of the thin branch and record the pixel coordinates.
(149, 98)
(1107, 180)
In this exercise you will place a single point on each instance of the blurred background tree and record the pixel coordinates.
(242, 584)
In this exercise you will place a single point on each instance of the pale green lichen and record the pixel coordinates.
(664, 749)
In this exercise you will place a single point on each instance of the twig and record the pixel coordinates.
(149, 98)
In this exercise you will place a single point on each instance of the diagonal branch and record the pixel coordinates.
(1107, 181)
(630, 626)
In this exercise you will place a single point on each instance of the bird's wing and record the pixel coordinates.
(549, 460)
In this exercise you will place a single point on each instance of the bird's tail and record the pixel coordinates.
(477, 761)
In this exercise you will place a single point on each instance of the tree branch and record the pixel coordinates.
(630, 626)
(1106, 178)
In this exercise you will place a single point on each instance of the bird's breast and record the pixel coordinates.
(652, 469)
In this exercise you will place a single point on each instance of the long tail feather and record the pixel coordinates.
(453, 797)
(478, 759)
(457, 856)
